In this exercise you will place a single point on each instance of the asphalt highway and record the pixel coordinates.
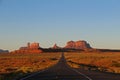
(62, 71)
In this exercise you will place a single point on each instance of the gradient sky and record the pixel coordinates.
(58, 21)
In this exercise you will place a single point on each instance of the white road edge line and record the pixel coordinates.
(79, 72)
(82, 74)
(51, 66)
(31, 75)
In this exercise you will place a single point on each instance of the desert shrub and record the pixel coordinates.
(53, 59)
(115, 64)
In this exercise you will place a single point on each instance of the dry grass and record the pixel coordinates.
(108, 62)
(14, 65)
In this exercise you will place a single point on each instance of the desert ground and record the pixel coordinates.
(13, 66)
(16, 65)
(100, 61)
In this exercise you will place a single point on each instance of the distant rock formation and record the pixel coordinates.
(81, 44)
(30, 48)
(4, 51)
(55, 47)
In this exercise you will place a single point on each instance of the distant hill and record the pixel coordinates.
(3, 51)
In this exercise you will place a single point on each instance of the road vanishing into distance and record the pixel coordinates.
(62, 71)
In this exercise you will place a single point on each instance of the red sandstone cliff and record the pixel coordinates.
(81, 44)
(30, 48)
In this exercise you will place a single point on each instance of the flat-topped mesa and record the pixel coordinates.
(33, 45)
(81, 44)
(30, 48)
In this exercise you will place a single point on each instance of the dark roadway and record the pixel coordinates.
(61, 71)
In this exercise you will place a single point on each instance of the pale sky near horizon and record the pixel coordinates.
(59, 21)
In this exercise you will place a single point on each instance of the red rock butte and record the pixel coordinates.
(81, 44)
(35, 48)
(30, 48)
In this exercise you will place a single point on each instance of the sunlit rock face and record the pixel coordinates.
(70, 44)
(30, 48)
(81, 44)
(33, 45)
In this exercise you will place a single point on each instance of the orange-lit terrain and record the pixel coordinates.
(78, 54)
(98, 61)
(16, 65)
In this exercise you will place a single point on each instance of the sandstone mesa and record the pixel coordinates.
(70, 45)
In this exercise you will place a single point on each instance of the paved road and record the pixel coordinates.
(96, 75)
(61, 71)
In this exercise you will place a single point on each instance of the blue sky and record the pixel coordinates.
(58, 21)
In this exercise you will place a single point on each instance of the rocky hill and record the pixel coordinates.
(81, 44)
(30, 48)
